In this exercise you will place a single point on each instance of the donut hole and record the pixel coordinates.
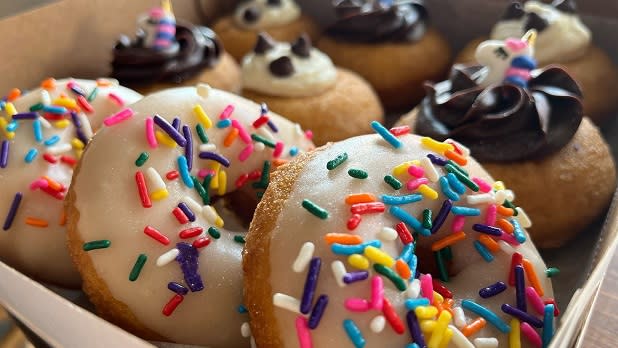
(428, 264)
(236, 209)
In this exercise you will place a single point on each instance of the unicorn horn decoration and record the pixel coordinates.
(508, 61)
(166, 27)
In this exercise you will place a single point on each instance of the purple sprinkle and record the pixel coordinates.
(272, 126)
(177, 288)
(441, 217)
(186, 131)
(264, 108)
(521, 315)
(75, 119)
(437, 160)
(25, 116)
(176, 123)
(12, 211)
(492, 290)
(215, 157)
(493, 231)
(171, 131)
(352, 277)
(520, 288)
(310, 285)
(4, 154)
(187, 258)
(415, 329)
(78, 90)
(317, 312)
(188, 212)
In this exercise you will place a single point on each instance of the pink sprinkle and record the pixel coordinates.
(509, 238)
(150, 133)
(427, 287)
(227, 112)
(278, 149)
(483, 185)
(156, 12)
(535, 300)
(242, 132)
(39, 183)
(532, 336)
(490, 215)
(166, 28)
(458, 223)
(245, 153)
(377, 293)
(416, 171)
(303, 333)
(116, 98)
(162, 43)
(414, 184)
(119, 117)
(357, 305)
(309, 134)
(202, 173)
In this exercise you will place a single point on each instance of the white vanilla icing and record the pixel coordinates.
(268, 15)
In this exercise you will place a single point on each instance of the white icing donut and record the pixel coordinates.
(106, 205)
(264, 14)
(34, 240)
(307, 216)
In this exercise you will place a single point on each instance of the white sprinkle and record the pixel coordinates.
(430, 170)
(210, 147)
(463, 149)
(259, 147)
(193, 205)
(489, 342)
(155, 179)
(58, 149)
(45, 98)
(523, 218)
(459, 317)
(458, 339)
(339, 271)
(168, 257)
(414, 289)
(500, 196)
(287, 302)
(481, 198)
(210, 214)
(253, 344)
(510, 195)
(304, 257)
(45, 123)
(298, 130)
(387, 234)
(245, 330)
(377, 324)
(506, 247)
(86, 127)
(203, 90)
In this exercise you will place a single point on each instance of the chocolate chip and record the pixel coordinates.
(302, 46)
(274, 2)
(566, 6)
(514, 11)
(282, 67)
(534, 21)
(252, 14)
(263, 44)
(346, 8)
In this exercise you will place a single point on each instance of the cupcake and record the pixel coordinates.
(167, 53)
(389, 43)
(526, 126)
(301, 83)
(563, 39)
(281, 19)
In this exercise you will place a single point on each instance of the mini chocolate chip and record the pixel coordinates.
(302, 46)
(534, 21)
(514, 11)
(263, 44)
(566, 6)
(282, 67)
(274, 2)
(252, 14)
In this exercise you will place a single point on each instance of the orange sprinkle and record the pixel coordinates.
(489, 243)
(13, 94)
(439, 306)
(343, 238)
(279, 162)
(231, 136)
(457, 158)
(446, 241)
(505, 225)
(36, 222)
(63, 218)
(49, 83)
(403, 269)
(53, 184)
(360, 198)
(504, 211)
(103, 83)
(473, 327)
(532, 277)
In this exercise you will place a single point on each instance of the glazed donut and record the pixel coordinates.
(143, 231)
(335, 243)
(40, 144)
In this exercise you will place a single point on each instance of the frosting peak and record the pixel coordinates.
(264, 14)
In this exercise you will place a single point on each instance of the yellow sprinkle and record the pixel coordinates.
(159, 194)
(10, 110)
(427, 326)
(438, 332)
(62, 124)
(378, 256)
(78, 153)
(3, 124)
(222, 182)
(426, 312)
(428, 192)
(202, 117)
(164, 139)
(403, 167)
(68, 103)
(214, 182)
(499, 185)
(219, 222)
(437, 297)
(77, 144)
(436, 146)
(515, 334)
(446, 338)
(358, 261)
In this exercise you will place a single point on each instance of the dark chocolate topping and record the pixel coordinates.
(264, 43)
(379, 20)
(514, 11)
(196, 48)
(503, 122)
(302, 46)
(281, 67)
(534, 21)
(274, 2)
(251, 14)
(567, 6)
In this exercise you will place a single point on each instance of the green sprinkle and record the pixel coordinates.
(458, 167)
(207, 180)
(265, 178)
(510, 204)
(447, 253)
(462, 177)
(442, 272)
(201, 190)
(239, 239)
(315, 209)
(334, 163)
(137, 267)
(399, 283)
(214, 232)
(37, 107)
(427, 223)
(97, 244)
(259, 194)
(201, 133)
(93, 94)
(552, 272)
(393, 182)
(143, 157)
(358, 173)
(261, 139)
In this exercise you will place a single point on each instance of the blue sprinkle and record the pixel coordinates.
(31, 155)
(386, 134)
(437, 160)
(11, 127)
(354, 333)
(456, 185)
(409, 220)
(413, 264)
(548, 324)
(2, 105)
(183, 169)
(446, 189)
(224, 123)
(465, 211)
(396, 200)
(343, 249)
(177, 288)
(38, 131)
(54, 109)
(488, 315)
(51, 141)
(407, 252)
(412, 303)
(518, 232)
(412, 345)
(242, 309)
(293, 151)
(486, 254)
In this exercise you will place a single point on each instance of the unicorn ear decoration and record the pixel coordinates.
(509, 61)
(159, 27)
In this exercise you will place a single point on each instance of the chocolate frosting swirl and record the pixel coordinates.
(503, 122)
(379, 20)
(195, 49)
